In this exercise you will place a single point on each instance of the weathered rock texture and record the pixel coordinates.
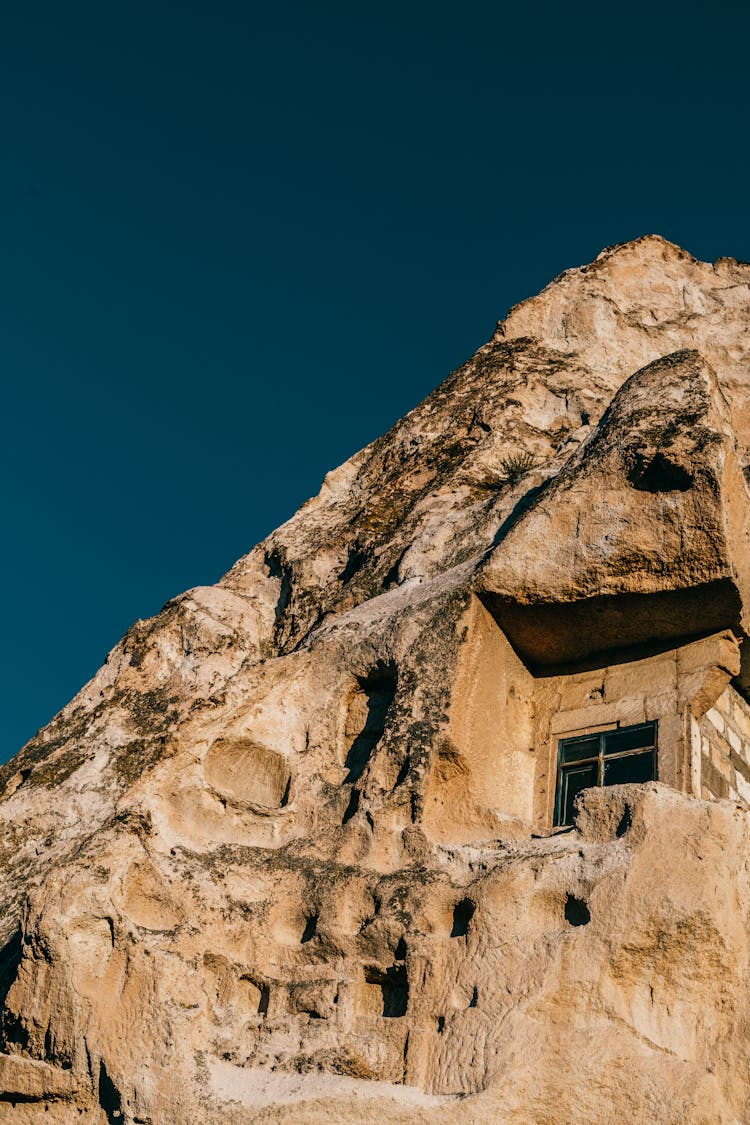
(289, 856)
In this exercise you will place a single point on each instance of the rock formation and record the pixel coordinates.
(302, 850)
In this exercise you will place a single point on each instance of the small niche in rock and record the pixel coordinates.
(278, 569)
(310, 930)
(243, 770)
(253, 996)
(659, 474)
(400, 950)
(577, 912)
(354, 563)
(109, 1097)
(352, 807)
(403, 773)
(390, 578)
(394, 988)
(10, 961)
(463, 912)
(367, 715)
(626, 821)
(441, 1024)
(474, 998)
(16, 781)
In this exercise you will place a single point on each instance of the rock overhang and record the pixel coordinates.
(642, 540)
(557, 637)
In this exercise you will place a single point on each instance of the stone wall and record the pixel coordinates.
(725, 748)
(482, 782)
(495, 771)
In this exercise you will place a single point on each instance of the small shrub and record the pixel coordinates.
(509, 471)
(516, 465)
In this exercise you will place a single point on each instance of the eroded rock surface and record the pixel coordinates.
(292, 856)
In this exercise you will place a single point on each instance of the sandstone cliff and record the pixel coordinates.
(298, 853)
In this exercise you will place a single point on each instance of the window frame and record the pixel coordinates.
(601, 756)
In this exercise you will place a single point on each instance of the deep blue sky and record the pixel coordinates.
(239, 241)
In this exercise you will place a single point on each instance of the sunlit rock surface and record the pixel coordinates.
(292, 856)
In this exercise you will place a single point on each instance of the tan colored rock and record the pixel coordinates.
(642, 537)
(291, 855)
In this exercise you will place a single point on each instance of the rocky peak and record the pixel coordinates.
(437, 801)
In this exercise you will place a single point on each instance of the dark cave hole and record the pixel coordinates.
(394, 986)
(354, 563)
(352, 807)
(626, 821)
(379, 689)
(403, 773)
(10, 959)
(390, 578)
(310, 930)
(463, 912)
(577, 912)
(109, 1097)
(273, 562)
(659, 474)
(11, 1028)
(277, 569)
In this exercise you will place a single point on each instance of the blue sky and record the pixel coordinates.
(240, 241)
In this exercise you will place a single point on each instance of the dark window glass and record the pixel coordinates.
(630, 769)
(576, 749)
(629, 738)
(573, 781)
(614, 757)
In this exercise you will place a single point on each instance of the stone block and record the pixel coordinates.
(641, 679)
(717, 785)
(601, 715)
(582, 691)
(736, 742)
(741, 716)
(740, 765)
(743, 788)
(720, 649)
(722, 764)
(716, 719)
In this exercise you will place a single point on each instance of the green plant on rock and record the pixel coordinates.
(516, 465)
(509, 470)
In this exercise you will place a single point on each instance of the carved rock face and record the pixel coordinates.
(240, 770)
(289, 856)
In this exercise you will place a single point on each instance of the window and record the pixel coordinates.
(611, 757)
